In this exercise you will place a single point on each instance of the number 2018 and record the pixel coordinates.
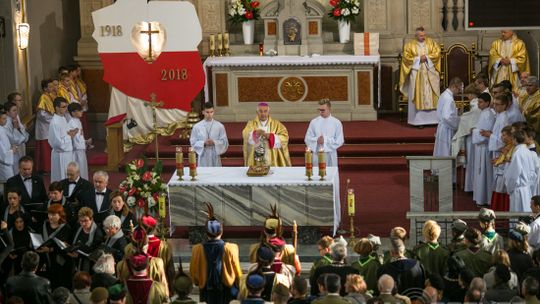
(174, 74)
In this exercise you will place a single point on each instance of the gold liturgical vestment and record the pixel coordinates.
(422, 78)
(516, 51)
(531, 111)
(278, 157)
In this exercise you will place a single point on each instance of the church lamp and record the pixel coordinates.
(149, 39)
(23, 35)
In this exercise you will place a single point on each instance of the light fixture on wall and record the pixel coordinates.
(149, 40)
(23, 35)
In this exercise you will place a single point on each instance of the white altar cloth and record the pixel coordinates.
(279, 176)
(313, 60)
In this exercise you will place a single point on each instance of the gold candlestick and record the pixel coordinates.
(212, 45)
(220, 44)
(192, 164)
(226, 46)
(321, 156)
(309, 163)
(179, 163)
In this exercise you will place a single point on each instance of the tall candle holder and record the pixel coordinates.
(321, 156)
(351, 209)
(179, 163)
(220, 44)
(212, 45)
(309, 163)
(192, 158)
(226, 46)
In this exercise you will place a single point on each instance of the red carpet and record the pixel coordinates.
(373, 158)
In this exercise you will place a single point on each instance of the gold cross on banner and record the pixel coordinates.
(149, 32)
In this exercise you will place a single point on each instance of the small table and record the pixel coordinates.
(240, 200)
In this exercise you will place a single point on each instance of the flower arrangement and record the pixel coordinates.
(244, 10)
(344, 10)
(143, 187)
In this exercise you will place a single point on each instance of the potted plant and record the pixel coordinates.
(245, 12)
(344, 11)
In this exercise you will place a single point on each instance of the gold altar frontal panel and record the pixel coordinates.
(292, 92)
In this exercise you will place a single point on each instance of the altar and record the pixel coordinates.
(240, 200)
(293, 85)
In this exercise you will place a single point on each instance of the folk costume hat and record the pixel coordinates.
(459, 226)
(138, 262)
(148, 222)
(522, 228)
(486, 215)
(272, 223)
(139, 238)
(213, 226)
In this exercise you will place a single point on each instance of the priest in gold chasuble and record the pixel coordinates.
(530, 104)
(269, 132)
(419, 79)
(507, 58)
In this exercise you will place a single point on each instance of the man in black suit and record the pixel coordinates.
(27, 285)
(97, 198)
(74, 184)
(31, 185)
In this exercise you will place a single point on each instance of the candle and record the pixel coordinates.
(226, 40)
(212, 42)
(219, 41)
(309, 163)
(192, 163)
(351, 202)
(179, 162)
(162, 207)
(321, 156)
(261, 49)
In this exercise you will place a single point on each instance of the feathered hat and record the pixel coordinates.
(213, 226)
(139, 239)
(272, 223)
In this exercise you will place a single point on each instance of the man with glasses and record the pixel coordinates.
(325, 133)
(60, 139)
(530, 104)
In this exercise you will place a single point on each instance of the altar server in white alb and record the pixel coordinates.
(60, 139)
(448, 118)
(325, 132)
(79, 143)
(18, 136)
(209, 139)
(483, 169)
(520, 173)
(7, 150)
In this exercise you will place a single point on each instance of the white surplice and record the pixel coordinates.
(62, 147)
(43, 121)
(209, 156)
(483, 169)
(17, 137)
(448, 124)
(514, 112)
(331, 130)
(6, 155)
(518, 176)
(79, 146)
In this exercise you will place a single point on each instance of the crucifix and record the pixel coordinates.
(149, 32)
(154, 105)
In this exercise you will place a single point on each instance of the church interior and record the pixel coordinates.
(290, 56)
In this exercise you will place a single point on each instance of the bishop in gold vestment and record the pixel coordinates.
(530, 104)
(419, 78)
(507, 58)
(270, 132)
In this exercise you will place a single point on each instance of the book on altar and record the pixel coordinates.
(366, 44)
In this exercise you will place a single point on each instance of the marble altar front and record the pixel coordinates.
(240, 200)
(292, 85)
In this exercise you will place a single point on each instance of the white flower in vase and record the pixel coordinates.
(345, 12)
